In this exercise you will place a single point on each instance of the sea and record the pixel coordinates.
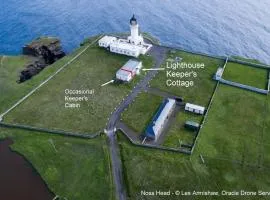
(216, 27)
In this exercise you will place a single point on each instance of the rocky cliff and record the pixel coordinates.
(46, 51)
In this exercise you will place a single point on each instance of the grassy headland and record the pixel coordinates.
(10, 67)
(93, 68)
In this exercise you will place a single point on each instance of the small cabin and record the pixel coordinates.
(194, 126)
(194, 108)
(218, 74)
(129, 70)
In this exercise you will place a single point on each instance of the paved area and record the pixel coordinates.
(161, 93)
(135, 136)
(116, 166)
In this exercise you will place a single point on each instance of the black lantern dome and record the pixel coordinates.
(133, 20)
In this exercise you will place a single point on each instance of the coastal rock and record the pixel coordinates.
(45, 50)
(31, 70)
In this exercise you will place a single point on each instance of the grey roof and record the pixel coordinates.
(128, 67)
(122, 73)
(131, 64)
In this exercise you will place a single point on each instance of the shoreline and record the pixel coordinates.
(156, 41)
(8, 142)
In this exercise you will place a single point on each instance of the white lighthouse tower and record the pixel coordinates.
(135, 37)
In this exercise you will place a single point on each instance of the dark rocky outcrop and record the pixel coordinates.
(31, 70)
(45, 50)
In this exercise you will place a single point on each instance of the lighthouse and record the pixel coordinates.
(135, 37)
(133, 45)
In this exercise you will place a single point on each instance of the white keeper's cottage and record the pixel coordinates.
(127, 72)
(134, 45)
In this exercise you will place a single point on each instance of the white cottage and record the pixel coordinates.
(106, 41)
(218, 74)
(122, 47)
(129, 70)
(194, 108)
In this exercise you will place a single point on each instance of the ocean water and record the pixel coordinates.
(218, 27)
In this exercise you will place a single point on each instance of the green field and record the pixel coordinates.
(203, 87)
(178, 133)
(233, 143)
(247, 75)
(72, 168)
(151, 170)
(140, 113)
(10, 68)
(89, 71)
(244, 129)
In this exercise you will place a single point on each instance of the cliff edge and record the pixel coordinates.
(45, 50)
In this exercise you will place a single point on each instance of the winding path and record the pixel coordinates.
(159, 54)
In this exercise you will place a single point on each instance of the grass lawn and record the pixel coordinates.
(11, 91)
(151, 170)
(233, 143)
(10, 68)
(93, 68)
(236, 127)
(72, 168)
(178, 132)
(266, 134)
(203, 87)
(245, 74)
(267, 122)
(141, 111)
